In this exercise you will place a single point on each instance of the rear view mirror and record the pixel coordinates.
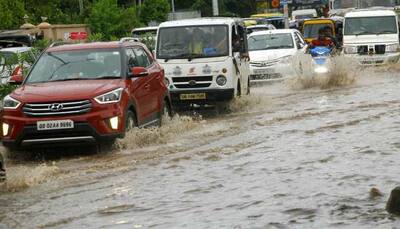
(139, 72)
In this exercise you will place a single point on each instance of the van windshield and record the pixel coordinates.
(193, 42)
(270, 41)
(311, 30)
(370, 25)
(76, 65)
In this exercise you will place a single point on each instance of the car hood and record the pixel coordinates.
(265, 55)
(370, 39)
(64, 90)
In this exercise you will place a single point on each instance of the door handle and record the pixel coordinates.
(147, 86)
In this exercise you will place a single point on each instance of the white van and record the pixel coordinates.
(205, 60)
(304, 14)
(372, 36)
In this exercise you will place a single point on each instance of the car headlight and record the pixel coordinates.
(285, 59)
(110, 97)
(350, 49)
(10, 103)
(392, 48)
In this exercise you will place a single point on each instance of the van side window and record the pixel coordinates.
(142, 57)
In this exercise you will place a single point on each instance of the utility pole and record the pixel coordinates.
(215, 7)
(81, 7)
(173, 9)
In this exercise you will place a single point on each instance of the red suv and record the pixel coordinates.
(85, 93)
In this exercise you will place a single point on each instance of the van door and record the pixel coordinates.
(244, 60)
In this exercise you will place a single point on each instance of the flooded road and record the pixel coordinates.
(284, 158)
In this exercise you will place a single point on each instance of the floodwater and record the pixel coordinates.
(285, 157)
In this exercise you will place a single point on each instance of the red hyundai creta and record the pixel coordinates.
(85, 93)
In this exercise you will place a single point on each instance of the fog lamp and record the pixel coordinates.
(114, 121)
(6, 128)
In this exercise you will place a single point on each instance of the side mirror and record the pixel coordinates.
(17, 76)
(16, 79)
(139, 72)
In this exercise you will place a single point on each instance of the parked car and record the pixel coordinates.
(271, 53)
(15, 61)
(205, 60)
(85, 93)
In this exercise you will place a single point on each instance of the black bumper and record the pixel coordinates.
(81, 134)
(212, 96)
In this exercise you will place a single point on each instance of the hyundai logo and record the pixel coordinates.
(192, 82)
(56, 107)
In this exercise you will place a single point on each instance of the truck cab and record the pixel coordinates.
(205, 60)
(371, 36)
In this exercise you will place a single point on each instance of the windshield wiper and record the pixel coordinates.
(68, 79)
(361, 33)
(193, 56)
(104, 77)
(385, 32)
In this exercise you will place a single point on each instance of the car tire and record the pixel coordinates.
(248, 87)
(166, 113)
(238, 90)
(2, 170)
(130, 121)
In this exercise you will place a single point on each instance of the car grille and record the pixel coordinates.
(57, 108)
(261, 64)
(380, 49)
(192, 81)
(365, 50)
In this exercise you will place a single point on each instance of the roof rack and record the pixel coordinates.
(129, 39)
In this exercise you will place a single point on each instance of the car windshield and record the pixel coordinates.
(8, 58)
(304, 16)
(311, 30)
(370, 25)
(76, 65)
(193, 42)
(270, 41)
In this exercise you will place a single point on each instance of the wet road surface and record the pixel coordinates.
(284, 158)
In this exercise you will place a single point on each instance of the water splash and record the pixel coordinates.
(138, 138)
(343, 71)
(22, 177)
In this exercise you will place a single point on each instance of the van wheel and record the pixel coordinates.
(248, 87)
(130, 121)
(166, 113)
(238, 90)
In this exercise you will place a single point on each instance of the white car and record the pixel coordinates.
(11, 62)
(271, 53)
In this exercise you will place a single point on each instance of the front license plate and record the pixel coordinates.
(264, 71)
(55, 125)
(193, 96)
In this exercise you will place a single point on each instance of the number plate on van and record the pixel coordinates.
(193, 96)
(55, 125)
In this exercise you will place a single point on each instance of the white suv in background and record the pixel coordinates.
(371, 36)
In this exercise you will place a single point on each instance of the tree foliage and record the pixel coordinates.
(154, 10)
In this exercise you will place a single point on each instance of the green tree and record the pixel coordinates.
(154, 10)
(105, 17)
(11, 15)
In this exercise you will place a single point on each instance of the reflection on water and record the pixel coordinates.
(282, 159)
